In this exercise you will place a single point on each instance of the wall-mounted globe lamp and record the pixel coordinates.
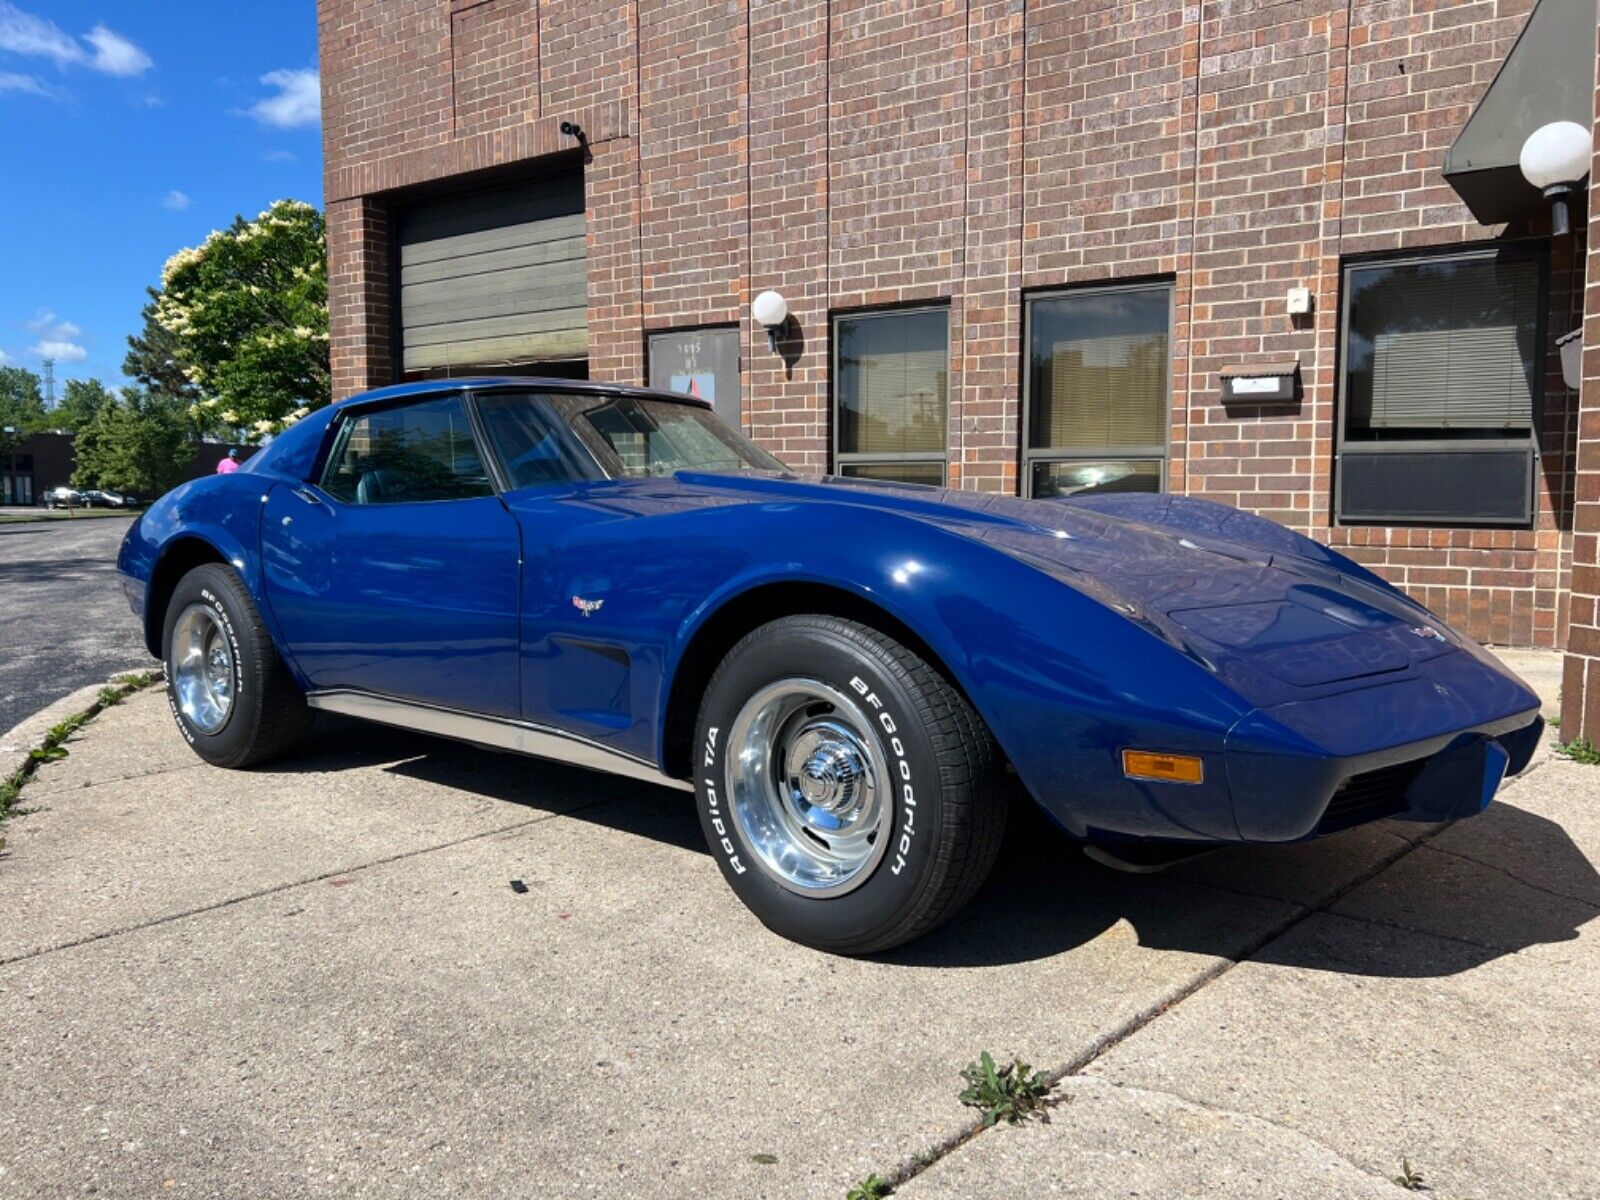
(771, 311)
(1555, 159)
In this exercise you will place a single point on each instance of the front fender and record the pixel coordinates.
(1063, 681)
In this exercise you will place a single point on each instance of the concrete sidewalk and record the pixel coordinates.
(315, 980)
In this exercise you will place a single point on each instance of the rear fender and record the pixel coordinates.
(226, 517)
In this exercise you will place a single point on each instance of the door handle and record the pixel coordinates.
(308, 496)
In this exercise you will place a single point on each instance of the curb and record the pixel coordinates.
(28, 734)
(10, 520)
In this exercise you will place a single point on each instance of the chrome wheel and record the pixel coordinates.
(809, 787)
(202, 668)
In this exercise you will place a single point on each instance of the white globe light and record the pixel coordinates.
(770, 309)
(1556, 153)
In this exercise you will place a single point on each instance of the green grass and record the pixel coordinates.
(54, 745)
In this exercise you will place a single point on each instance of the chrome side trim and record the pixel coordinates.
(520, 737)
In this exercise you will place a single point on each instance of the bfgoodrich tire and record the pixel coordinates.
(850, 795)
(232, 696)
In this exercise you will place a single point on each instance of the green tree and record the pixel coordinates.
(249, 310)
(21, 406)
(81, 400)
(141, 443)
(155, 357)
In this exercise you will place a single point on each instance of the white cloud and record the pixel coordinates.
(4, 357)
(24, 33)
(56, 338)
(35, 37)
(61, 351)
(115, 54)
(298, 100)
(47, 324)
(175, 200)
(10, 81)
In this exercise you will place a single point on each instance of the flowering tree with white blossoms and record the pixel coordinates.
(248, 308)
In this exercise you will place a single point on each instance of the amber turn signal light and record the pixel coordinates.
(1165, 768)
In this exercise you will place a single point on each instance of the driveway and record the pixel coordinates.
(64, 621)
(317, 980)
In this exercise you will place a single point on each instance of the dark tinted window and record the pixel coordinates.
(533, 441)
(1444, 361)
(1443, 347)
(403, 455)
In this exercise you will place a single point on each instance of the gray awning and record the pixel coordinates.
(1548, 76)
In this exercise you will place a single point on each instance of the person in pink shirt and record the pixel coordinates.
(230, 464)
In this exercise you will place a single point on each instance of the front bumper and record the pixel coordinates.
(1433, 747)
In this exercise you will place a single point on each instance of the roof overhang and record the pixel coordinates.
(1549, 75)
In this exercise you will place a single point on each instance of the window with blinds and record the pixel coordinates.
(1442, 386)
(1099, 373)
(1442, 345)
(892, 382)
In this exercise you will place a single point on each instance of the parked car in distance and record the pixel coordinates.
(62, 497)
(845, 672)
(99, 498)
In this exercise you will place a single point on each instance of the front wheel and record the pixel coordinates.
(232, 696)
(850, 794)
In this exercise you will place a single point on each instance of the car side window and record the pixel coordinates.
(403, 455)
(533, 441)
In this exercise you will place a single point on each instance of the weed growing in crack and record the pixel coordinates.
(1409, 1178)
(871, 1188)
(51, 748)
(1579, 750)
(1012, 1093)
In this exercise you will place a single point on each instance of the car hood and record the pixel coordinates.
(1275, 613)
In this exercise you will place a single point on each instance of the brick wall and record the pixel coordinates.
(1580, 685)
(866, 152)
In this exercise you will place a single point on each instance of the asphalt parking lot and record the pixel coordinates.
(316, 980)
(64, 622)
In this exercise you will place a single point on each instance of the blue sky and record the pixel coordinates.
(128, 130)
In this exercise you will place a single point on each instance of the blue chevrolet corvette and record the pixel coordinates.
(846, 673)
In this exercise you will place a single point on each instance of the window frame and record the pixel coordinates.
(1141, 453)
(339, 433)
(1540, 251)
(844, 458)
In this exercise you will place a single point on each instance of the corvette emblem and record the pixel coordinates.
(587, 607)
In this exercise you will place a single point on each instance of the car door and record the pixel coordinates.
(396, 571)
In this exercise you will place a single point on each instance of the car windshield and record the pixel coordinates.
(639, 438)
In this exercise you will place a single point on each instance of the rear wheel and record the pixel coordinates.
(230, 693)
(851, 796)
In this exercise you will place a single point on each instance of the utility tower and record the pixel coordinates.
(49, 385)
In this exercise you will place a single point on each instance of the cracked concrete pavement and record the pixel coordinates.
(315, 980)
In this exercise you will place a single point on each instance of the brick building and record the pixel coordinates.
(1033, 247)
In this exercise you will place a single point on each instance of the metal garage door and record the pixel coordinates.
(494, 278)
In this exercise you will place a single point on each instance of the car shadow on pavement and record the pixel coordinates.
(1490, 886)
(343, 743)
(1045, 897)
